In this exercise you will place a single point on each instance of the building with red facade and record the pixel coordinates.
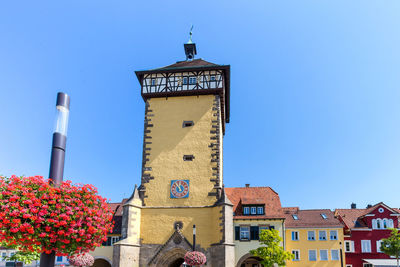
(364, 229)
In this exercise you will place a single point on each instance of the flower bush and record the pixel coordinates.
(195, 258)
(81, 260)
(38, 217)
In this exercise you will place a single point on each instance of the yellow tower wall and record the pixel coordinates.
(169, 142)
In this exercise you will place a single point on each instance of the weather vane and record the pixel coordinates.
(190, 38)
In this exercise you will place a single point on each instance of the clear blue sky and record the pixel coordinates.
(315, 97)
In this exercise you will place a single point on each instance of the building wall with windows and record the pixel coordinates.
(314, 237)
(255, 209)
(364, 229)
(247, 234)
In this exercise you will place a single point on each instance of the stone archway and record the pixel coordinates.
(171, 258)
(249, 260)
(101, 263)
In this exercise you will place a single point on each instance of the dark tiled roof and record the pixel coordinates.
(196, 63)
(117, 209)
(255, 195)
(310, 218)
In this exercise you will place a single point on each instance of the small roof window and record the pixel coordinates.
(295, 217)
(324, 216)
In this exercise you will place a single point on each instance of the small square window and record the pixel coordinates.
(335, 254)
(187, 124)
(334, 235)
(312, 255)
(244, 233)
(188, 157)
(295, 236)
(212, 78)
(323, 254)
(59, 258)
(246, 210)
(253, 210)
(322, 235)
(260, 210)
(192, 80)
(296, 254)
(311, 235)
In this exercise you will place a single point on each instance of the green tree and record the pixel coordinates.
(391, 245)
(20, 256)
(272, 252)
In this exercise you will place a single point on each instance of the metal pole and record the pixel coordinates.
(57, 158)
(341, 255)
(194, 237)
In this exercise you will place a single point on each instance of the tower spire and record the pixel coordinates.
(190, 47)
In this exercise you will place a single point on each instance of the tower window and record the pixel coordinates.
(212, 78)
(192, 80)
(187, 124)
(188, 157)
(185, 80)
(153, 81)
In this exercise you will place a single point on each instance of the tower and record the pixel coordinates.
(186, 109)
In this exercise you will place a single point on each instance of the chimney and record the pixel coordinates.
(353, 205)
(247, 185)
(369, 206)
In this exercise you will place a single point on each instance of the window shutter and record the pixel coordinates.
(254, 233)
(237, 232)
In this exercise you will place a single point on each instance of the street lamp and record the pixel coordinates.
(194, 237)
(57, 157)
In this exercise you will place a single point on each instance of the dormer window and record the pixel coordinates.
(253, 210)
(260, 210)
(295, 217)
(323, 215)
(246, 210)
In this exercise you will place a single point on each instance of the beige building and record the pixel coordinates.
(255, 209)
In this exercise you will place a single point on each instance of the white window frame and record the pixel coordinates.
(366, 246)
(2, 256)
(296, 233)
(390, 224)
(367, 264)
(246, 210)
(244, 229)
(338, 254)
(309, 255)
(378, 246)
(351, 245)
(335, 235)
(320, 255)
(192, 80)
(260, 210)
(298, 254)
(253, 210)
(308, 235)
(319, 235)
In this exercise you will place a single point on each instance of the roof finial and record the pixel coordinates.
(190, 47)
(190, 34)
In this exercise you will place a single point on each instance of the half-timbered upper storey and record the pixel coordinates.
(190, 77)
